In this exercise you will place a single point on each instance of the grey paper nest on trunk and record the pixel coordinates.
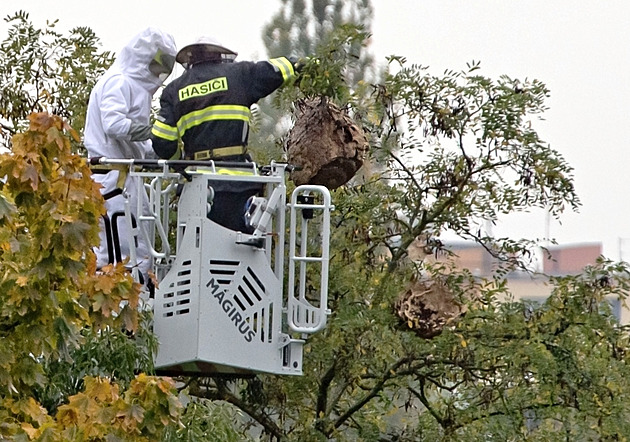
(326, 144)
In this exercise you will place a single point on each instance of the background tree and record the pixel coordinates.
(454, 151)
(457, 151)
(45, 70)
(53, 301)
(301, 26)
(303, 29)
(83, 384)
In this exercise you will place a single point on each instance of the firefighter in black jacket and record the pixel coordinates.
(208, 107)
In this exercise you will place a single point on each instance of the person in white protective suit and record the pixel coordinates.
(118, 126)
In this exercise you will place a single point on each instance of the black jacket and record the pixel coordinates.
(208, 106)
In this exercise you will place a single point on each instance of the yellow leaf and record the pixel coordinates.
(29, 429)
(102, 390)
(80, 403)
(40, 121)
(134, 412)
(53, 135)
(104, 284)
(67, 415)
(34, 410)
(166, 385)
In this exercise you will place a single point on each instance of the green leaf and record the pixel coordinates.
(7, 209)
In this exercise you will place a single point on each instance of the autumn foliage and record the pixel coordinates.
(51, 291)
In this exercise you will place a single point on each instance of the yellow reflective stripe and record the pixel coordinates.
(234, 172)
(224, 171)
(211, 113)
(164, 131)
(219, 152)
(284, 66)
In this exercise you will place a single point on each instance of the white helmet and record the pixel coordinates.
(204, 49)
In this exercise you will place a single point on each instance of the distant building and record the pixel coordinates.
(571, 259)
(559, 260)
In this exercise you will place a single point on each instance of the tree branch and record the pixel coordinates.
(322, 395)
(223, 394)
(387, 375)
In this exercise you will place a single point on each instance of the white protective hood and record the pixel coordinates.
(123, 95)
(133, 60)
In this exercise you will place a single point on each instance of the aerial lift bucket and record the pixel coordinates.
(219, 307)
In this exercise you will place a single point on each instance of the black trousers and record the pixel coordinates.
(228, 205)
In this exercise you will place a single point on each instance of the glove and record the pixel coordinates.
(298, 63)
(140, 132)
(303, 61)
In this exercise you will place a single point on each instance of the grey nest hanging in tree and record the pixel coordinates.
(427, 307)
(326, 144)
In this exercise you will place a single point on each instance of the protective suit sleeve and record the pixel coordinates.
(149, 152)
(115, 105)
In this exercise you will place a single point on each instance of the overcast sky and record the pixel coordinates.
(580, 50)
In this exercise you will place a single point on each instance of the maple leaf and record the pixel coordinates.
(133, 412)
(45, 266)
(54, 135)
(77, 194)
(97, 301)
(7, 209)
(104, 284)
(80, 402)
(105, 415)
(29, 429)
(67, 415)
(174, 405)
(101, 389)
(30, 174)
(73, 133)
(109, 305)
(74, 234)
(40, 122)
(129, 316)
(166, 385)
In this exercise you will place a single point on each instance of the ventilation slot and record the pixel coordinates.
(261, 322)
(176, 301)
(223, 271)
(258, 282)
